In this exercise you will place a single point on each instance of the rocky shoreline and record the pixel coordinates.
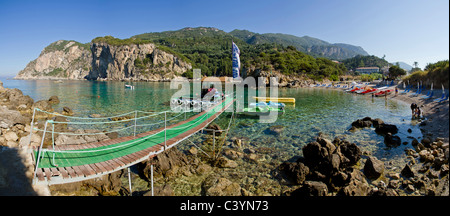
(325, 167)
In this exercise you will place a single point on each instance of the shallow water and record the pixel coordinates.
(328, 111)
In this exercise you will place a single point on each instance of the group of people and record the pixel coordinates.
(416, 112)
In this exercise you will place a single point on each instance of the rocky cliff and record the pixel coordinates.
(103, 61)
(60, 60)
(134, 62)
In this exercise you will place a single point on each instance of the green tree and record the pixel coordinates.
(395, 71)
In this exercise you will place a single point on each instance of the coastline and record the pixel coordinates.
(435, 114)
(435, 125)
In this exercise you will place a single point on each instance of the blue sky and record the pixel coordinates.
(403, 30)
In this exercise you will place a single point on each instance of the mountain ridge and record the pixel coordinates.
(310, 45)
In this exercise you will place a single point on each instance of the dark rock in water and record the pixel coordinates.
(392, 140)
(351, 152)
(373, 168)
(219, 186)
(164, 190)
(216, 127)
(340, 179)
(53, 100)
(315, 155)
(377, 122)
(407, 172)
(362, 123)
(414, 142)
(426, 142)
(311, 188)
(294, 171)
(43, 105)
(276, 129)
(67, 111)
(357, 185)
(222, 162)
(386, 128)
(163, 162)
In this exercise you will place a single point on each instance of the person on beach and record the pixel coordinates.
(413, 108)
(418, 112)
(396, 90)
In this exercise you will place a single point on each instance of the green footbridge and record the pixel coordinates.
(58, 164)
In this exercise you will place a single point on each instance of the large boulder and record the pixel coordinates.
(164, 190)
(223, 162)
(67, 111)
(392, 140)
(295, 172)
(351, 152)
(357, 185)
(311, 188)
(170, 159)
(362, 123)
(386, 128)
(373, 168)
(53, 100)
(407, 171)
(43, 105)
(9, 118)
(16, 99)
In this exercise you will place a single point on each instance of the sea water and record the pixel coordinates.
(317, 110)
(329, 111)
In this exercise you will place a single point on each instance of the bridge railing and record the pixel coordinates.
(129, 123)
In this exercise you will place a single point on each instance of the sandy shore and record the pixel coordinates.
(436, 123)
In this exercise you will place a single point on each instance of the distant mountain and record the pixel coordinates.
(404, 66)
(309, 45)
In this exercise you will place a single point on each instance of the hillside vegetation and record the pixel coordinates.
(436, 73)
(210, 50)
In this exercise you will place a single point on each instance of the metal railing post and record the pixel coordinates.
(165, 130)
(151, 177)
(39, 154)
(129, 181)
(135, 120)
(31, 127)
(214, 144)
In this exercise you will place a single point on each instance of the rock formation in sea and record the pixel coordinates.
(60, 60)
(103, 61)
(134, 62)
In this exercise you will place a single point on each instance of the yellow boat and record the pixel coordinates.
(278, 100)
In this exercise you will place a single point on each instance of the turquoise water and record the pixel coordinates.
(316, 110)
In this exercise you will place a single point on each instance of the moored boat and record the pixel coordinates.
(383, 93)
